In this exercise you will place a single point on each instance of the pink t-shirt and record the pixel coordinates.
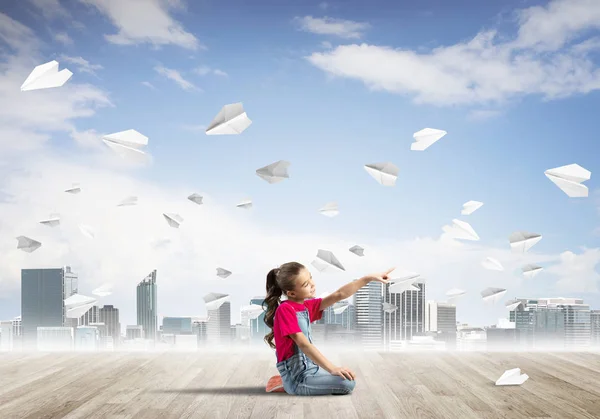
(286, 323)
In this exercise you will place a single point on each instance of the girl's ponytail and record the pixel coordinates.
(272, 301)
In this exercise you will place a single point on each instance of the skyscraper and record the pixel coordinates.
(109, 315)
(43, 292)
(409, 318)
(218, 331)
(147, 306)
(595, 327)
(258, 328)
(369, 311)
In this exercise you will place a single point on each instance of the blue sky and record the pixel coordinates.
(316, 101)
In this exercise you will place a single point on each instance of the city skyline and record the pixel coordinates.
(312, 103)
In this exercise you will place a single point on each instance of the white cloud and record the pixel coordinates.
(203, 70)
(176, 77)
(484, 69)
(51, 9)
(221, 73)
(323, 5)
(82, 64)
(145, 21)
(577, 272)
(483, 114)
(330, 26)
(63, 38)
(148, 84)
(28, 119)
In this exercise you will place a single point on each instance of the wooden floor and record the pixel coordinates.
(212, 385)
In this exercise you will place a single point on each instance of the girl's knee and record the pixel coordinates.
(347, 386)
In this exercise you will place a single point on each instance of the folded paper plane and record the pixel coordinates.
(232, 119)
(522, 241)
(492, 264)
(253, 311)
(357, 250)
(127, 144)
(27, 245)
(455, 293)
(384, 173)
(46, 76)
(196, 198)
(470, 207)
(330, 209)
(174, 220)
(75, 189)
(531, 270)
(329, 258)
(274, 172)
(77, 305)
(461, 230)
(214, 300)
(569, 178)
(52, 221)
(425, 138)
(245, 204)
(223, 273)
(389, 308)
(130, 200)
(87, 231)
(512, 378)
(406, 283)
(492, 295)
(319, 265)
(511, 305)
(103, 290)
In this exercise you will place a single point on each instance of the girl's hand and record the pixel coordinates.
(343, 372)
(380, 277)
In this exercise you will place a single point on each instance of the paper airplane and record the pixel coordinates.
(389, 308)
(46, 76)
(77, 305)
(357, 250)
(492, 295)
(398, 286)
(568, 179)
(27, 245)
(127, 144)
(330, 209)
(130, 200)
(75, 189)
(470, 207)
(340, 307)
(511, 305)
(173, 219)
(384, 173)
(461, 230)
(522, 241)
(531, 270)
(455, 293)
(103, 291)
(214, 300)
(319, 265)
(512, 378)
(329, 258)
(246, 204)
(232, 119)
(492, 264)
(51, 221)
(274, 172)
(253, 310)
(223, 273)
(425, 138)
(87, 231)
(196, 198)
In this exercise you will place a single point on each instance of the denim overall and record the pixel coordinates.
(302, 377)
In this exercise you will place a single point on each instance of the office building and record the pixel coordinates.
(369, 315)
(109, 315)
(147, 306)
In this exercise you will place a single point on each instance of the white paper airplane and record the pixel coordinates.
(389, 308)
(75, 189)
(173, 219)
(274, 172)
(492, 264)
(384, 173)
(329, 258)
(127, 144)
(130, 200)
(340, 307)
(319, 265)
(330, 209)
(232, 119)
(425, 138)
(246, 204)
(87, 231)
(470, 207)
(253, 310)
(569, 178)
(522, 241)
(455, 293)
(214, 300)
(398, 286)
(512, 378)
(52, 221)
(461, 230)
(103, 291)
(531, 270)
(196, 198)
(77, 305)
(511, 305)
(27, 245)
(223, 273)
(492, 295)
(46, 76)
(357, 250)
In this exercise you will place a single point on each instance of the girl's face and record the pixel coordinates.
(305, 287)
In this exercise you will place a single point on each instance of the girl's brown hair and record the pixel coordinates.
(279, 280)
